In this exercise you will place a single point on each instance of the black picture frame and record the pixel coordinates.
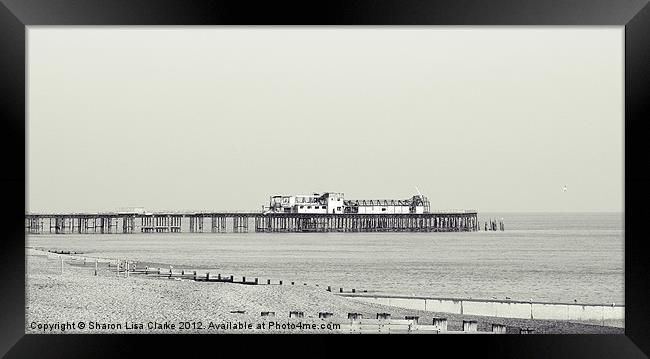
(16, 15)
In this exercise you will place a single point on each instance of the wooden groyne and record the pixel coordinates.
(240, 222)
(130, 267)
(385, 322)
(342, 322)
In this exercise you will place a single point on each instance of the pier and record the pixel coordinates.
(241, 222)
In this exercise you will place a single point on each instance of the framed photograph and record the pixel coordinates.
(339, 168)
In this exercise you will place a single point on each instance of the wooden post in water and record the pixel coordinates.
(207, 276)
(95, 266)
(61, 264)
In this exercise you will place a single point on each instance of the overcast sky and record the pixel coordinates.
(494, 119)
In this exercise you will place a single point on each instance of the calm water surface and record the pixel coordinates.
(540, 256)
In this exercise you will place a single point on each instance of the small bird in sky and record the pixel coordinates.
(564, 189)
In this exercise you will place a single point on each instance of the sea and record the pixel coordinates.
(550, 257)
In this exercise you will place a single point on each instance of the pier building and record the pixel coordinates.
(335, 203)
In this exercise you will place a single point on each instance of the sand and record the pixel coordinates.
(107, 303)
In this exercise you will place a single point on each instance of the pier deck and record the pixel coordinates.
(236, 222)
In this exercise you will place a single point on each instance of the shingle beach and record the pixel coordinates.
(58, 301)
